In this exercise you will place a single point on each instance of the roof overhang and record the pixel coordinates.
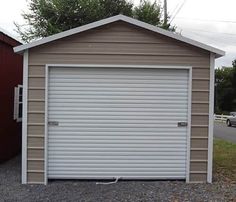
(8, 38)
(129, 20)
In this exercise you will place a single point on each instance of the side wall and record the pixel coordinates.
(11, 67)
(118, 43)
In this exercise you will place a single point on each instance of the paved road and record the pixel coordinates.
(223, 132)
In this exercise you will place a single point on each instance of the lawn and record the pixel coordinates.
(225, 159)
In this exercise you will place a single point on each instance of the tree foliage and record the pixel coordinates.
(151, 13)
(225, 89)
(47, 17)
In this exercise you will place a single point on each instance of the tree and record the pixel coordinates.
(115, 7)
(152, 14)
(234, 63)
(225, 89)
(47, 17)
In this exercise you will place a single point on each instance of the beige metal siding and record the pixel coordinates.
(199, 176)
(199, 154)
(118, 43)
(35, 154)
(35, 165)
(199, 166)
(35, 177)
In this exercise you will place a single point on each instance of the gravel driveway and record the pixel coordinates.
(12, 190)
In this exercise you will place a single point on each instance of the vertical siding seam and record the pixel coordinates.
(24, 118)
(210, 124)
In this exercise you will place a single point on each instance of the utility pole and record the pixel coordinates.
(165, 12)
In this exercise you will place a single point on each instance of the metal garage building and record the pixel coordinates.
(117, 98)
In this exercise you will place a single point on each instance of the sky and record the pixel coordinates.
(209, 21)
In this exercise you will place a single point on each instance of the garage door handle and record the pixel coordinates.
(53, 123)
(182, 124)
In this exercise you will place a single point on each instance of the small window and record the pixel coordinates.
(18, 103)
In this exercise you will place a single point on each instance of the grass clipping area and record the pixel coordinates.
(225, 159)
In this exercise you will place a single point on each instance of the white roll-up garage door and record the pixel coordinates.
(117, 122)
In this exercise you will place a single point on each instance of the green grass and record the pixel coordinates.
(225, 159)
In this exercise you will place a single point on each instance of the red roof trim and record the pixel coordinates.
(8, 40)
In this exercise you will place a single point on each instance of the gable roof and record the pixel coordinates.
(6, 37)
(129, 20)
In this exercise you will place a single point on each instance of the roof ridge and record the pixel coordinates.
(121, 17)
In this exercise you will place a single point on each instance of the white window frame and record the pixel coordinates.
(17, 102)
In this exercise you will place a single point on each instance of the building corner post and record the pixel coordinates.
(211, 118)
(24, 119)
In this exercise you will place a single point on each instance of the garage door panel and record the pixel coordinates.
(123, 133)
(120, 170)
(136, 129)
(121, 136)
(110, 145)
(118, 89)
(112, 149)
(114, 103)
(117, 154)
(110, 175)
(117, 123)
(104, 114)
(97, 110)
(132, 84)
(94, 106)
(129, 72)
(125, 125)
(110, 98)
(121, 73)
(119, 165)
(134, 92)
